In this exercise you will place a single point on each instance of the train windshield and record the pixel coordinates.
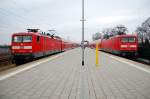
(27, 38)
(131, 39)
(125, 39)
(22, 39)
(17, 39)
(128, 39)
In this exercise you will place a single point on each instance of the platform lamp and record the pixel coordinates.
(82, 42)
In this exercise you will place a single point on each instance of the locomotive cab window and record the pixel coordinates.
(131, 39)
(27, 38)
(125, 39)
(17, 39)
(22, 38)
(128, 39)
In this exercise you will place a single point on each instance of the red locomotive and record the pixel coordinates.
(125, 45)
(32, 44)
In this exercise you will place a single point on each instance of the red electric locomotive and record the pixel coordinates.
(121, 44)
(125, 45)
(32, 44)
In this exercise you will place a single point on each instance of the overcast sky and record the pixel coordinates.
(64, 16)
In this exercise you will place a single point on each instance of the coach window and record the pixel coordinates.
(38, 39)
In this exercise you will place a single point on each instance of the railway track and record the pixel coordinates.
(142, 60)
(6, 62)
(138, 59)
(5, 57)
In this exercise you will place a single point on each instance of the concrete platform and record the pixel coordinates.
(63, 77)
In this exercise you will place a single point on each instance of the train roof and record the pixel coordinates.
(27, 33)
(36, 33)
(126, 35)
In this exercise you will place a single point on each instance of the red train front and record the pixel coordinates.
(22, 46)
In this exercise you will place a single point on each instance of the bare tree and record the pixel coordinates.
(96, 36)
(140, 31)
(144, 31)
(120, 29)
(146, 27)
(107, 32)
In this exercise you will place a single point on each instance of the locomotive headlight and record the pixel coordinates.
(133, 46)
(27, 47)
(15, 47)
(123, 46)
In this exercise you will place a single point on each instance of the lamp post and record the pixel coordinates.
(82, 42)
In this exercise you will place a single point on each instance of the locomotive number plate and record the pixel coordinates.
(21, 47)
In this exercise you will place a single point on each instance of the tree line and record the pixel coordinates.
(143, 32)
(109, 32)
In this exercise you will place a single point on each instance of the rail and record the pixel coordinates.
(5, 59)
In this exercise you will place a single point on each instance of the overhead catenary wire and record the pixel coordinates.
(24, 20)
